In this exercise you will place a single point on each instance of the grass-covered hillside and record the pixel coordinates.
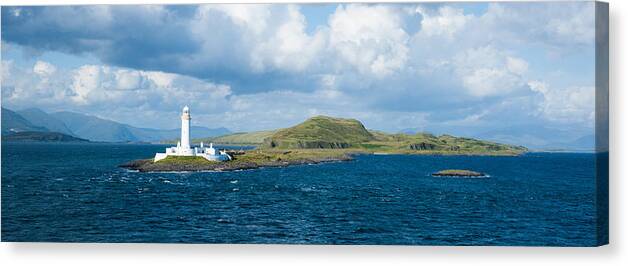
(323, 132)
(320, 132)
(428, 143)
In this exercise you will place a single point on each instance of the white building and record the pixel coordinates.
(183, 147)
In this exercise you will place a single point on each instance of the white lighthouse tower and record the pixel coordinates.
(185, 128)
(184, 147)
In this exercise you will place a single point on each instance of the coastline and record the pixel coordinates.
(263, 158)
(248, 160)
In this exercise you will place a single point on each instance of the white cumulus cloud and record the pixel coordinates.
(447, 21)
(369, 38)
(98, 87)
(566, 105)
(44, 68)
(487, 71)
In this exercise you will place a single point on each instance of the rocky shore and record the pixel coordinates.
(249, 160)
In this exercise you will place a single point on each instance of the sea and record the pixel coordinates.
(77, 193)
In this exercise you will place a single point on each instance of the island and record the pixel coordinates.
(458, 173)
(324, 132)
(317, 140)
(241, 161)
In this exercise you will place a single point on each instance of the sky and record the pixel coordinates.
(457, 68)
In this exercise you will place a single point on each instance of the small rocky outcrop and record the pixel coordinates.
(458, 173)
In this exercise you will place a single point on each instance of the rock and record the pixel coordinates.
(458, 173)
(422, 146)
(318, 144)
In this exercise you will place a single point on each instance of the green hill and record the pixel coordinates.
(320, 132)
(323, 132)
(444, 144)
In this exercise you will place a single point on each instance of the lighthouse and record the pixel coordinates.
(185, 128)
(184, 146)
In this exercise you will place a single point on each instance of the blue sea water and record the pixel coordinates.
(76, 193)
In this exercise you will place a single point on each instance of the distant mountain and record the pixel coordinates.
(13, 122)
(38, 117)
(542, 138)
(154, 135)
(98, 129)
(584, 143)
(533, 136)
(34, 136)
(94, 128)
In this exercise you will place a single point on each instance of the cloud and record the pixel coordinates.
(262, 47)
(566, 105)
(486, 72)
(44, 68)
(148, 98)
(516, 65)
(446, 22)
(553, 25)
(393, 66)
(96, 87)
(289, 48)
(369, 38)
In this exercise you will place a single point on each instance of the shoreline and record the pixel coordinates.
(247, 161)
(258, 167)
(262, 158)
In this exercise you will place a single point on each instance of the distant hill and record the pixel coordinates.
(539, 137)
(321, 132)
(98, 129)
(91, 127)
(38, 117)
(13, 122)
(584, 143)
(156, 135)
(242, 138)
(94, 128)
(34, 136)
